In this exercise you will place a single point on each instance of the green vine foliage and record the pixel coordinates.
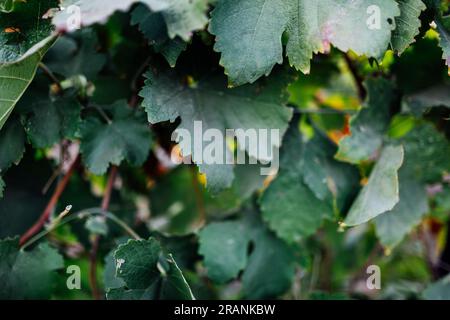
(93, 94)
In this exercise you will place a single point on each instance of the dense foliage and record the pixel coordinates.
(86, 122)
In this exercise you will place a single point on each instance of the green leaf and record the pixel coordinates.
(12, 144)
(439, 290)
(148, 273)
(381, 193)
(69, 55)
(96, 11)
(270, 253)
(210, 103)
(427, 153)
(392, 226)
(126, 136)
(153, 26)
(313, 26)
(16, 77)
(369, 125)
(49, 121)
(181, 16)
(443, 27)
(407, 24)
(288, 205)
(422, 101)
(225, 246)
(24, 31)
(248, 32)
(27, 274)
(331, 181)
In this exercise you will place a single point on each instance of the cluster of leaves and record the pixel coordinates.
(364, 152)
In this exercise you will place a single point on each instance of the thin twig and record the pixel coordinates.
(51, 204)
(96, 241)
(51, 76)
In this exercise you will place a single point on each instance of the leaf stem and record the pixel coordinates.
(51, 204)
(51, 76)
(96, 240)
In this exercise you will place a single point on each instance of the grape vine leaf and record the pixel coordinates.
(427, 153)
(27, 274)
(224, 246)
(181, 16)
(407, 24)
(95, 11)
(288, 205)
(249, 32)
(419, 102)
(381, 193)
(16, 77)
(369, 124)
(24, 31)
(68, 56)
(12, 144)
(148, 273)
(443, 27)
(392, 226)
(125, 136)
(209, 103)
(49, 121)
(154, 28)
(439, 290)
(331, 181)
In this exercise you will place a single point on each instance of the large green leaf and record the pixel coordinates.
(148, 273)
(289, 206)
(181, 16)
(381, 193)
(212, 105)
(24, 31)
(368, 126)
(225, 248)
(16, 77)
(125, 136)
(392, 226)
(27, 274)
(50, 121)
(95, 11)
(248, 32)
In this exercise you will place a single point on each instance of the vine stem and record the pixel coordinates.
(51, 76)
(51, 204)
(358, 79)
(96, 241)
